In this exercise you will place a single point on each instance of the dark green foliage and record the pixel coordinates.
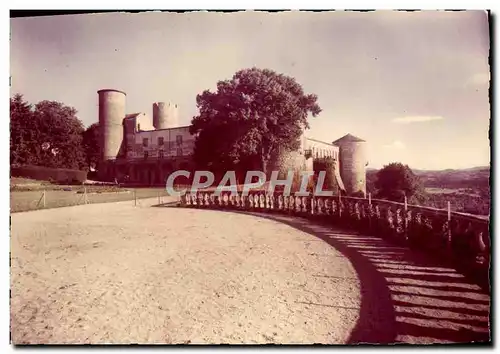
(58, 125)
(371, 177)
(358, 194)
(22, 134)
(57, 175)
(48, 135)
(91, 145)
(467, 190)
(248, 118)
(395, 181)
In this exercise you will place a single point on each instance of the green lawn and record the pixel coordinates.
(32, 199)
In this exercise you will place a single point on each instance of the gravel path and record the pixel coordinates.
(115, 273)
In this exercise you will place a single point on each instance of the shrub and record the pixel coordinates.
(92, 175)
(54, 175)
(358, 194)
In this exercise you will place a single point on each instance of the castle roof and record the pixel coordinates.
(348, 138)
(318, 141)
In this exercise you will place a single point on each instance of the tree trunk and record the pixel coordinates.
(264, 166)
(263, 162)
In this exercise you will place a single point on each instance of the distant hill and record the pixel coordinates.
(474, 177)
(467, 189)
(419, 171)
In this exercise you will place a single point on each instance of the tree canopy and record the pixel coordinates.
(48, 134)
(249, 117)
(91, 145)
(22, 133)
(396, 180)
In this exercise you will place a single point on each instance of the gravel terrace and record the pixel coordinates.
(115, 273)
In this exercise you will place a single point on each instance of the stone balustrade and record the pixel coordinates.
(458, 238)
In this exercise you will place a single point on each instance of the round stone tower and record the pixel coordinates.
(165, 115)
(111, 114)
(353, 161)
(284, 160)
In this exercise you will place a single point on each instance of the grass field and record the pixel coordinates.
(27, 194)
(464, 191)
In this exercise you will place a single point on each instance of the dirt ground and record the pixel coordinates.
(119, 273)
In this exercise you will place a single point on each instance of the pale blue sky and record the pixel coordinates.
(414, 85)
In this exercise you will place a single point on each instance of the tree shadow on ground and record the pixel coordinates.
(407, 297)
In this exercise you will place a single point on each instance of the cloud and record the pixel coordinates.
(416, 119)
(396, 144)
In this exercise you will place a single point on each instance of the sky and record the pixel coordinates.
(414, 85)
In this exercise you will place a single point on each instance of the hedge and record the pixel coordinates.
(57, 175)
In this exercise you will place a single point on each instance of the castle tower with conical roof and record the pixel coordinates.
(353, 162)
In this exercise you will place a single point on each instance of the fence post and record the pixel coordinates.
(158, 194)
(43, 198)
(135, 197)
(85, 195)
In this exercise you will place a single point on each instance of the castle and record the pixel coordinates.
(148, 150)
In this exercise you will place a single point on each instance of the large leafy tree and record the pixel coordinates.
(60, 130)
(395, 181)
(249, 118)
(91, 145)
(22, 132)
(48, 134)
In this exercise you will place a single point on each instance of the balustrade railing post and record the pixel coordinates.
(448, 241)
(369, 211)
(405, 224)
(340, 205)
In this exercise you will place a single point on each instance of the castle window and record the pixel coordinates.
(160, 141)
(178, 139)
(179, 151)
(145, 142)
(160, 154)
(146, 154)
